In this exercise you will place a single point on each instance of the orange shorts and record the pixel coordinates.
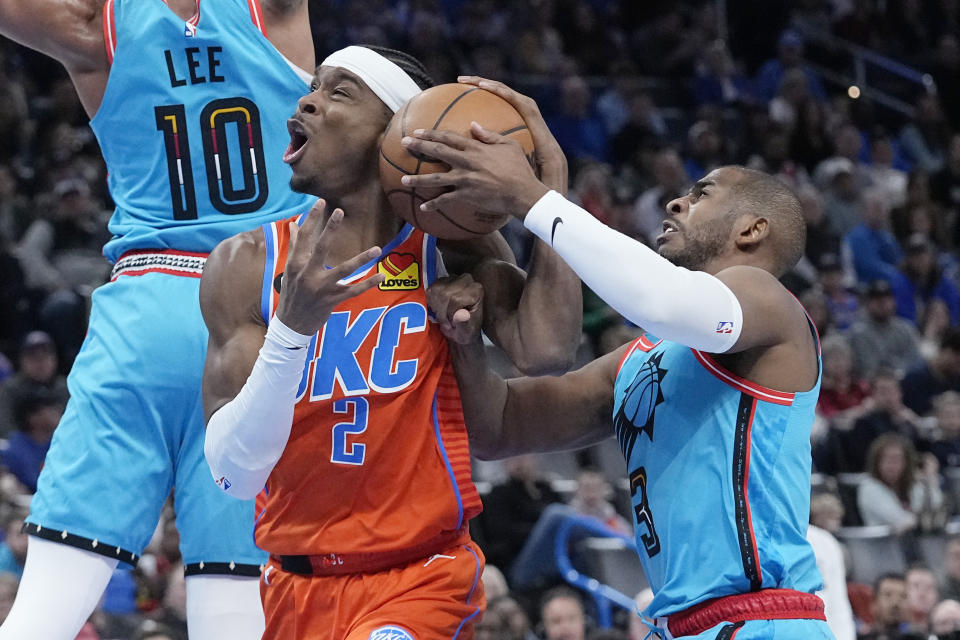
(432, 598)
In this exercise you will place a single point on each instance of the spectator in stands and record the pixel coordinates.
(38, 414)
(494, 583)
(843, 304)
(705, 150)
(945, 184)
(592, 499)
(789, 56)
(670, 181)
(885, 171)
(897, 492)
(490, 626)
(880, 338)
(924, 140)
(920, 283)
(946, 445)
(922, 595)
(774, 158)
(562, 615)
(516, 621)
(826, 513)
(888, 608)
(719, 79)
(13, 548)
(580, 132)
(822, 238)
(841, 392)
(945, 619)
(929, 379)
(848, 144)
(815, 303)
(792, 95)
(950, 587)
(645, 129)
(887, 414)
(875, 251)
(37, 371)
(842, 196)
(514, 507)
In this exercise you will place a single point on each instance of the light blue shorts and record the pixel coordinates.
(767, 630)
(134, 429)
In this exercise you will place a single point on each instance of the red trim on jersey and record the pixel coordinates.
(173, 252)
(256, 15)
(641, 343)
(746, 494)
(169, 272)
(741, 384)
(109, 31)
(453, 432)
(769, 604)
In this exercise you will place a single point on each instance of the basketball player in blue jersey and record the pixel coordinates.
(188, 101)
(712, 407)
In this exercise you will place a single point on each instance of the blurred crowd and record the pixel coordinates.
(645, 98)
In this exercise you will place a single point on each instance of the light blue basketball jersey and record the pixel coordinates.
(719, 471)
(209, 163)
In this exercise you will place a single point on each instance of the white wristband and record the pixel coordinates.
(246, 437)
(690, 307)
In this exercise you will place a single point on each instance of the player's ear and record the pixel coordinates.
(751, 231)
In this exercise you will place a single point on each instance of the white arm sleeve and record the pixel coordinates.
(690, 307)
(246, 436)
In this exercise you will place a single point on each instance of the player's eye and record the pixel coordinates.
(340, 91)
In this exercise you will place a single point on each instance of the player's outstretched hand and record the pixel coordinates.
(457, 304)
(548, 156)
(490, 172)
(309, 290)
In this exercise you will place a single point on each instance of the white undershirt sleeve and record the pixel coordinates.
(690, 307)
(246, 437)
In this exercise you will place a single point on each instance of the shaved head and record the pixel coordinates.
(767, 197)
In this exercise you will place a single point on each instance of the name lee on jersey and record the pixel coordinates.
(186, 66)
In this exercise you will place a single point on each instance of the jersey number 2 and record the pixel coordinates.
(345, 452)
(219, 119)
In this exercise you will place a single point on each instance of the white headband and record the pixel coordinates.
(386, 79)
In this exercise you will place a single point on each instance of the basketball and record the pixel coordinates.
(449, 107)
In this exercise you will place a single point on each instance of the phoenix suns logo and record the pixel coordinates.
(401, 272)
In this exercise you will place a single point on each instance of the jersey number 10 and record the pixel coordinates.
(214, 130)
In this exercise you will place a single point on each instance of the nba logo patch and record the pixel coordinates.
(189, 30)
(401, 272)
(390, 633)
(724, 327)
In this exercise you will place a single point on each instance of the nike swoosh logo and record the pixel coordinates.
(556, 221)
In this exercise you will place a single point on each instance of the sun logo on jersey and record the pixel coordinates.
(401, 272)
(639, 404)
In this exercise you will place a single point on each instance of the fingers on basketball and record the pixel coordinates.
(449, 107)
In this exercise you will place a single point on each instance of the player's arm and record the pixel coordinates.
(287, 24)
(522, 415)
(536, 317)
(252, 372)
(67, 30)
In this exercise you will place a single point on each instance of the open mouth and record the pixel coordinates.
(298, 142)
(668, 229)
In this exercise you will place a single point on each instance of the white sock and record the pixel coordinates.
(224, 608)
(60, 587)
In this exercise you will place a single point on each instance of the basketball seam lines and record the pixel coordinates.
(514, 130)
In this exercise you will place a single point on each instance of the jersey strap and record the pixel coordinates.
(256, 15)
(109, 30)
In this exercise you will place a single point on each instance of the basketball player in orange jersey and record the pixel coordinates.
(328, 385)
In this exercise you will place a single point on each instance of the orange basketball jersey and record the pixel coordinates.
(377, 461)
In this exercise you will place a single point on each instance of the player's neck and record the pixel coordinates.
(367, 221)
(184, 9)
